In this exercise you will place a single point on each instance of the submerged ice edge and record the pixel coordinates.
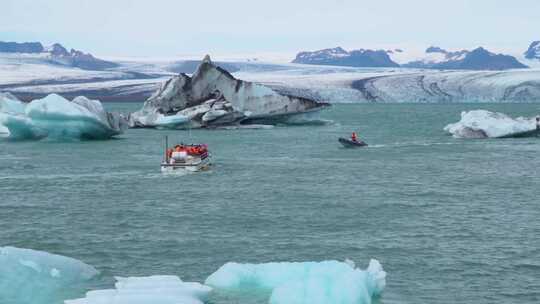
(38, 277)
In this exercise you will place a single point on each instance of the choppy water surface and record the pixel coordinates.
(451, 221)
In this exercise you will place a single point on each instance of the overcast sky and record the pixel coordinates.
(173, 28)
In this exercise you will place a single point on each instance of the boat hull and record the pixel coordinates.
(201, 165)
(347, 143)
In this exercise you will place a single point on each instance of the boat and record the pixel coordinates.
(183, 157)
(348, 143)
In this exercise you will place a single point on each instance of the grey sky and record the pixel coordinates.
(171, 28)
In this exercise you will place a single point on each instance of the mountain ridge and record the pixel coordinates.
(58, 54)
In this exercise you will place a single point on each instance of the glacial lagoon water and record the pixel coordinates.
(450, 220)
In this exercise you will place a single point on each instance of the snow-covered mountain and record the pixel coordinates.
(533, 52)
(56, 54)
(477, 59)
(433, 58)
(340, 57)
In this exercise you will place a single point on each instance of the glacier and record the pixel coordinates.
(213, 97)
(486, 124)
(162, 289)
(36, 277)
(327, 282)
(57, 117)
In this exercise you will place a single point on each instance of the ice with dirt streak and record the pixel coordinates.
(327, 282)
(486, 124)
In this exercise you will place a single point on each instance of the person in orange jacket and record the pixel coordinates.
(353, 137)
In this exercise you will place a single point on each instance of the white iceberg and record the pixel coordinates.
(328, 282)
(36, 277)
(55, 116)
(148, 290)
(486, 124)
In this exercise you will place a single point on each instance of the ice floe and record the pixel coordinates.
(485, 124)
(36, 277)
(55, 116)
(330, 282)
(164, 289)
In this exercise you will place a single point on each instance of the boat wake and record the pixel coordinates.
(408, 144)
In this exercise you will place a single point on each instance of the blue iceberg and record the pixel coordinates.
(37, 277)
(55, 116)
(327, 282)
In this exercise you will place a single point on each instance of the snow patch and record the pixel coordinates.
(307, 282)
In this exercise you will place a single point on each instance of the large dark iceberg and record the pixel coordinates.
(213, 97)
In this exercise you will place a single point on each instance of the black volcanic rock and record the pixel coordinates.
(24, 47)
(533, 52)
(340, 57)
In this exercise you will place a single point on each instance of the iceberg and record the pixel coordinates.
(148, 290)
(36, 277)
(55, 116)
(327, 282)
(213, 97)
(486, 124)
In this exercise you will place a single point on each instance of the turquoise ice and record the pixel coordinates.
(37, 277)
(327, 282)
(55, 116)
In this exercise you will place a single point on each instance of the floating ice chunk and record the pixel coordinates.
(10, 104)
(54, 116)
(483, 124)
(213, 114)
(171, 121)
(329, 282)
(148, 290)
(37, 277)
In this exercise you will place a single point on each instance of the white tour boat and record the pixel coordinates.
(192, 158)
